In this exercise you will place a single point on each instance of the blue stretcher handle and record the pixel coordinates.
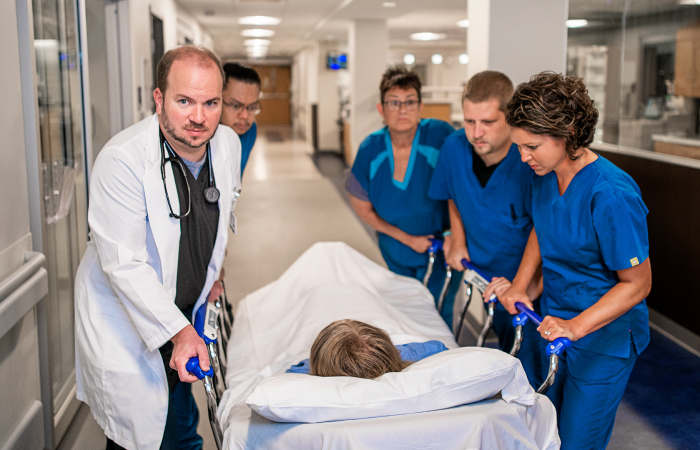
(471, 266)
(557, 346)
(436, 245)
(199, 319)
(193, 367)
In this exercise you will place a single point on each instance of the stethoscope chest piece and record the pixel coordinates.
(211, 194)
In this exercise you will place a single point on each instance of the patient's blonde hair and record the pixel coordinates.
(354, 349)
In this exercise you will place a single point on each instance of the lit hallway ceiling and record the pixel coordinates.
(303, 21)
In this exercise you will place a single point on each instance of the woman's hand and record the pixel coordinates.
(446, 243)
(513, 295)
(497, 286)
(419, 244)
(552, 328)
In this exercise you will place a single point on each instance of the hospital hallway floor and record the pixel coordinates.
(291, 199)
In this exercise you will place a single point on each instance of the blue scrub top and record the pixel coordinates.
(595, 229)
(497, 218)
(404, 204)
(247, 142)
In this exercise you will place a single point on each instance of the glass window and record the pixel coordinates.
(637, 59)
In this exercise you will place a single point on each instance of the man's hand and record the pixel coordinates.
(216, 290)
(455, 254)
(447, 243)
(497, 286)
(419, 244)
(188, 344)
(512, 295)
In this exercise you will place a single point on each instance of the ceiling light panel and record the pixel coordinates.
(426, 36)
(463, 23)
(256, 42)
(259, 20)
(576, 23)
(257, 33)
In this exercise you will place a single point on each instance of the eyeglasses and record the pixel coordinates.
(253, 108)
(395, 105)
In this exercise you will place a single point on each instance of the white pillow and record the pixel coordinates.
(447, 379)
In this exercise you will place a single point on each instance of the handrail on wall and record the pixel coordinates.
(22, 290)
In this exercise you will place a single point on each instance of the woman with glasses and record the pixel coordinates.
(389, 182)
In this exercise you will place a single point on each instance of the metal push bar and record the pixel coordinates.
(432, 253)
(554, 348)
(475, 277)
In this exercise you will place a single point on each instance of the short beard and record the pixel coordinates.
(170, 129)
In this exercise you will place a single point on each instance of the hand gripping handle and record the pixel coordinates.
(193, 367)
(558, 346)
(435, 246)
(480, 283)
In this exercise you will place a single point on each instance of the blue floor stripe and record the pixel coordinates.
(664, 389)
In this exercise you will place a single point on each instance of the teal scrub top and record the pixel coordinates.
(497, 217)
(595, 229)
(404, 204)
(247, 142)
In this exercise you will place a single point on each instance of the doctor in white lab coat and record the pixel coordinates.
(127, 281)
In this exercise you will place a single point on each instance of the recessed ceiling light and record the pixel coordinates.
(409, 59)
(463, 23)
(256, 42)
(389, 4)
(436, 58)
(428, 36)
(259, 20)
(464, 58)
(576, 23)
(257, 32)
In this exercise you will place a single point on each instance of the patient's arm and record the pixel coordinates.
(367, 213)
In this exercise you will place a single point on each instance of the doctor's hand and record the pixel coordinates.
(455, 254)
(552, 328)
(497, 286)
(188, 344)
(216, 290)
(512, 295)
(419, 244)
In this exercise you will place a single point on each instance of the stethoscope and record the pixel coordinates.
(211, 193)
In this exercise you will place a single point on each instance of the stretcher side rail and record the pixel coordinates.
(554, 349)
(475, 277)
(434, 248)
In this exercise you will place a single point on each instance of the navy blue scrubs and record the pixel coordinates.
(497, 222)
(405, 204)
(597, 227)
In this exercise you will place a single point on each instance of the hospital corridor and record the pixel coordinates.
(350, 225)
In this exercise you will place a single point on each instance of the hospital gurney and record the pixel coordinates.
(276, 325)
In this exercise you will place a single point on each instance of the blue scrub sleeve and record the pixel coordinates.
(620, 221)
(355, 188)
(441, 181)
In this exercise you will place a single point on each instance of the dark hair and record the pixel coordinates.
(242, 73)
(354, 349)
(487, 85)
(399, 77)
(198, 55)
(557, 106)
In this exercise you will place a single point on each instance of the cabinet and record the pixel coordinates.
(687, 81)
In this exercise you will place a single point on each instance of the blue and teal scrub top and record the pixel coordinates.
(497, 218)
(404, 204)
(595, 229)
(247, 142)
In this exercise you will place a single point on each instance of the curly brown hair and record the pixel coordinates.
(555, 105)
(354, 349)
(399, 77)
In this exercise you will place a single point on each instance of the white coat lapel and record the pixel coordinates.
(165, 229)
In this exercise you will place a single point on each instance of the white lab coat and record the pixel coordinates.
(125, 287)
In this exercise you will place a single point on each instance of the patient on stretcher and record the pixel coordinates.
(354, 349)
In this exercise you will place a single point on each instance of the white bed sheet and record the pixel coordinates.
(275, 326)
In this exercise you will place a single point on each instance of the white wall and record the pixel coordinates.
(329, 81)
(177, 23)
(517, 38)
(304, 89)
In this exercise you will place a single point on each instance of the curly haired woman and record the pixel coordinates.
(590, 238)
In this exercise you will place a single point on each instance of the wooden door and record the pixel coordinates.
(275, 84)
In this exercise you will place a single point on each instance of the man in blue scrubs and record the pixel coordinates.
(389, 181)
(480, 173)
(241, 105)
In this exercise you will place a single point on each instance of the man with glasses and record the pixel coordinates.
(161, 201)
(389, 181)
(241, 105)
